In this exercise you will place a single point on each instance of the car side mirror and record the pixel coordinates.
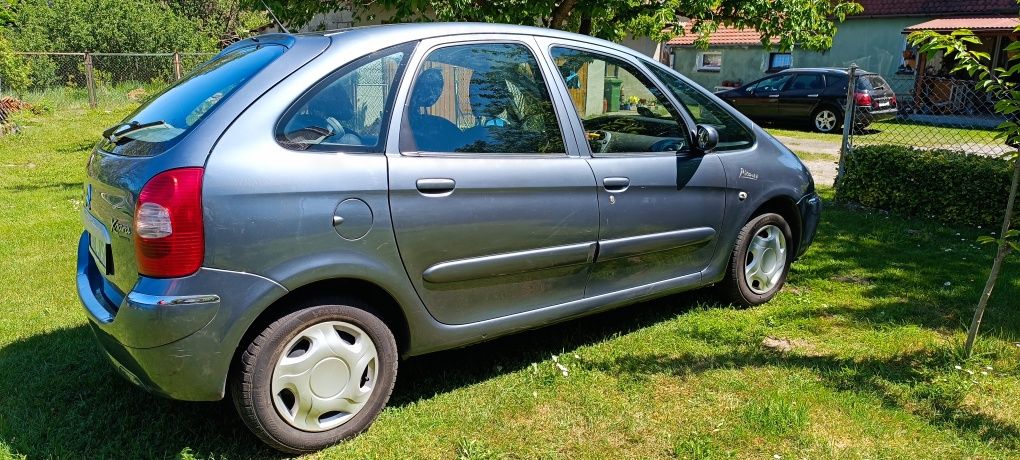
(707, 138)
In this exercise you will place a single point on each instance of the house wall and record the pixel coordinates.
(643, 45)
(874, 44)
(738, 63)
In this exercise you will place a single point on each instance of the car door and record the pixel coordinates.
(741, 98)
(660, 204)
(494, 211)
(762, 101)
(798, 101)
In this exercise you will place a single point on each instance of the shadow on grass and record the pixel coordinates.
(901, 265)
(53, 187)
(60, 398)
(899, 383)
(436, 373)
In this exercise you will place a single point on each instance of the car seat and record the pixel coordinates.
(431, 133)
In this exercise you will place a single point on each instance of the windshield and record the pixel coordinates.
(871, 82)
(182, 106)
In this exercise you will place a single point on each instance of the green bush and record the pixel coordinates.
(949, 186)
(14, 72)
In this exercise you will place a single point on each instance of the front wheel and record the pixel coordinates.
(826, 120)
(760, 261)
(315, 377)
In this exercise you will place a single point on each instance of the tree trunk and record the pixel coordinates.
(585, 28)
(561, 12)
(1000, 256)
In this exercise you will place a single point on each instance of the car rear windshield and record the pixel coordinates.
(871, 82)
(160, 123)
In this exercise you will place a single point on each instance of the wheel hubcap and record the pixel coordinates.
(825, 120)
(324, 376)
(765, 260)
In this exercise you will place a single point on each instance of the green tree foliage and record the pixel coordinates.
(14, 73)
(102, 26)
(225, 20)
(804, 23)
(126, 25)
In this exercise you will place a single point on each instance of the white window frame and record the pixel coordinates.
(700, 60)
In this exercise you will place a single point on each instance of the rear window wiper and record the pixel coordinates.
(113, 135)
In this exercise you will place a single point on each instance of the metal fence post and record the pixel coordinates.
(177, 65)
(848, 123)
(90, 81)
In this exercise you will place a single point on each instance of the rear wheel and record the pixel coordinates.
(826, 120)
(760, 261)
(315, 377)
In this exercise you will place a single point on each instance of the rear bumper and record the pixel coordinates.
(868, 115)
(810, 214)
(174, 337)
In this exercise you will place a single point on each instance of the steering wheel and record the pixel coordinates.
(343, 136)
(669, 145)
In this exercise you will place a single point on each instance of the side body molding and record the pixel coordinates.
(563, 256)
(644, 244)
(510, 263)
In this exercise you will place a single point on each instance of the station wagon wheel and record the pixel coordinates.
(315, 377)
(825, 120)
(760, 261)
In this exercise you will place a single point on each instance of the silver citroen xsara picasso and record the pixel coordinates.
(300, 212)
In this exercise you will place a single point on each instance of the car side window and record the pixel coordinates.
(487, 98)
(621, 109)
(733, 135)
(807, 81)
(349, 109)
(770, 85)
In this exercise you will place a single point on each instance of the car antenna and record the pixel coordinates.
(273, 15)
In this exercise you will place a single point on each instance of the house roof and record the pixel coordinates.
(1004, 23)
(929, 8)
(725, 36)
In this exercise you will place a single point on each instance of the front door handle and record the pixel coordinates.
(773, 96)
(812, 95)
(436, 187)
(616, 184)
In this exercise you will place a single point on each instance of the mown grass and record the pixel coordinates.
(873, 316)
(903, 133)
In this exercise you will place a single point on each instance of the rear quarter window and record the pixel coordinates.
(183, 105)
(350, 109)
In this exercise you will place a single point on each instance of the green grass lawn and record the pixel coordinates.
(872, 318)
(905, 133)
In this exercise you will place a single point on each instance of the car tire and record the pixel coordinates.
(295, 387)
(826, 119)
(760, 261)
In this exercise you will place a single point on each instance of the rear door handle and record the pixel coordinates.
(441, 187)
(616, 184)
(812, 95)
(773, 96)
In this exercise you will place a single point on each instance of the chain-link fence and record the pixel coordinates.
(925, 112)
(97, 80)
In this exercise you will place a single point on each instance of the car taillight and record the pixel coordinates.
(862, 99)
(169, 235)
(892, 100)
